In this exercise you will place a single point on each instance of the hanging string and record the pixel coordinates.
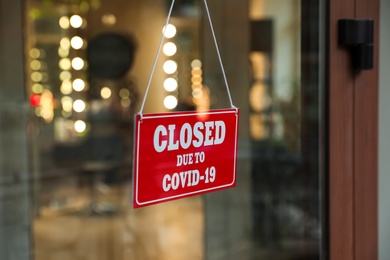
(157, 55)
(219, 54)
(159, 51)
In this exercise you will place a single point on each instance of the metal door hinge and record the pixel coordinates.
(358, 37)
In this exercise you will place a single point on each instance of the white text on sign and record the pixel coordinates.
(187, 179)
(190, 158)
(206, 133)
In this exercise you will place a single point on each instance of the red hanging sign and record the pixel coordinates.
(177, 155)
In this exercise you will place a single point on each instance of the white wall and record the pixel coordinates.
(384, 132)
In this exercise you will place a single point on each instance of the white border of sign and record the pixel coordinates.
(146, 117)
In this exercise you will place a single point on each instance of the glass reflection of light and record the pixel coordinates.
(258, 98)
(80, 126)
(35, 65)
(197, 93)
(125, 102)
(170, 67)
(66, 87)
(36, 76)
(197, 71)
(170, 32)
(67, 104)
(64, 64)
(35, 100)
(170, 84)
(79, 106)
(105, 92)
(66, 114)
(64, 22)
(76, 42)
(169, 49)
(46, 104)
(65, 43)
(65, 75)
(78, 85)
(47, 115)
(84, 6)
(109, 19)
(196, 79)
(35, 53)
(123, 93)
(77, 63)
(170, 102)
(63, 53)
(37, 88)
(196, 64)
(37, 111)
(76, 21)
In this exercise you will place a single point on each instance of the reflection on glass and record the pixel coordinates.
(67, 103)
(66, 87)
(170, 102)
(78, 85)
(169, 49)
(63, 53)
(170, 31)
(170, 84)
(35, 65)
(125, 102)
(124, 93)
(65, 43)
(79, 106)
(65, 64)
(170, 67)
(65, 76)
(105, 92)
(76, 21)
(77, 42)
(35, 53)
(36, 76)
(196, 64)
(37, 88)
(109, 19)
(77, 63)
(83, 146)
(64, 22)
(80, 126)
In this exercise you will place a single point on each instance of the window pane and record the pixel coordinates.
(88, 65)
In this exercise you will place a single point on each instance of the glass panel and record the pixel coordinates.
(87, 65)
(275, 212)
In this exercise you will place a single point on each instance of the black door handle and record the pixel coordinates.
(358, 37)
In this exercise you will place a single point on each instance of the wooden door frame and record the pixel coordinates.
(353, 141)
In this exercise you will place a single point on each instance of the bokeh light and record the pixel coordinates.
(170, 32)
(78, 85)
(170, 84)
(77, 63)
(64, 64)
(76, 21)
(106, 92)
(79, 106)
(66, 87)
(170, 102)
(80, 126)
(67, 103)
(77, 42)
(169, 49)
(64, 22)
(170, 67)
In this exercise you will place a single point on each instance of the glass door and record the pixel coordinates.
(274, 54)
(87, 65)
